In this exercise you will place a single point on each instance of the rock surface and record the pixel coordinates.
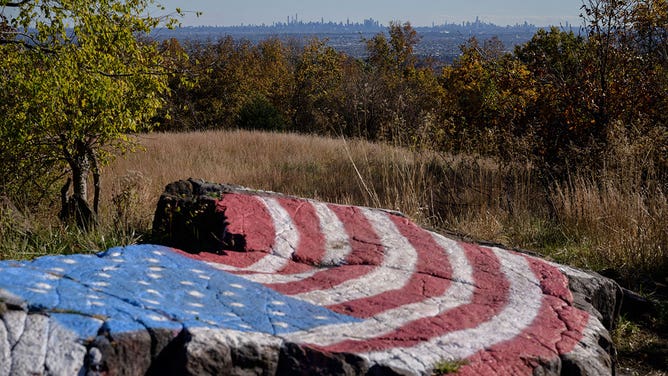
(291, 286)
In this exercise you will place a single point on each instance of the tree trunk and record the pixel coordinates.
(76, 207)
(96, 181)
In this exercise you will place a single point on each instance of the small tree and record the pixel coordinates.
(79, 78)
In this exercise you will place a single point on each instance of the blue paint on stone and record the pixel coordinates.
(146, 286)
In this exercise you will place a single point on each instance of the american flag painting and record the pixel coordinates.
(417, 297)
(340, 279)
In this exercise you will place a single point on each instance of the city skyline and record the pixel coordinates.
(419, 13)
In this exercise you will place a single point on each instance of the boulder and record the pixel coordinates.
(263, 283)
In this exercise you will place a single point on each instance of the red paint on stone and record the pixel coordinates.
(323, 280)
(235, 259)
(419, 288)
(432, 258)
(489, 298)
(367, 253)
(430, 278)
(366, 245)
(248, 216)
(311, 247)
(556, 330)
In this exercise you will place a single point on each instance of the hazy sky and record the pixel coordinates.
(418, 12)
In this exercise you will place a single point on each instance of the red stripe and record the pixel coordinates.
(249, 217)
(236, 259)
(311, 247)
(429, 280)
(489, 298)
(367, 253)
(246, 216)
(556, 330)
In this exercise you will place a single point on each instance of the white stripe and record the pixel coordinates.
(337, 241)
(337, 249)
(393, 273)
(273, 278)
(285, 242)
(524, 302)
(459, 293)
(267, 278)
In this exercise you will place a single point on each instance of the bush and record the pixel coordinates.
(259, 113)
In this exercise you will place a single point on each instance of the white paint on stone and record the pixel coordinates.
(37, 291)
(337, 242)
(65, 355)
(15, 322)
(263, 348)
(44, 286)
(29, 354)
(588, 353)
(460, 292)
(285, 242)
(196, 294)
(524, 302)
(277, 278)
(396, 269)
(5, 354)
(158, 318)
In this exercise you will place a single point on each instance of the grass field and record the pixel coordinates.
(607, 221)
(610, 221)
(602, 222)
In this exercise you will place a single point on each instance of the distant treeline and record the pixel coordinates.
(559, 101)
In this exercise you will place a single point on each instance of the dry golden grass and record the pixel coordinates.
(608, 221)
(613, 220)
(341, 171)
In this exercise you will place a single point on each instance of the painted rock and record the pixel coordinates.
(272, 284)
